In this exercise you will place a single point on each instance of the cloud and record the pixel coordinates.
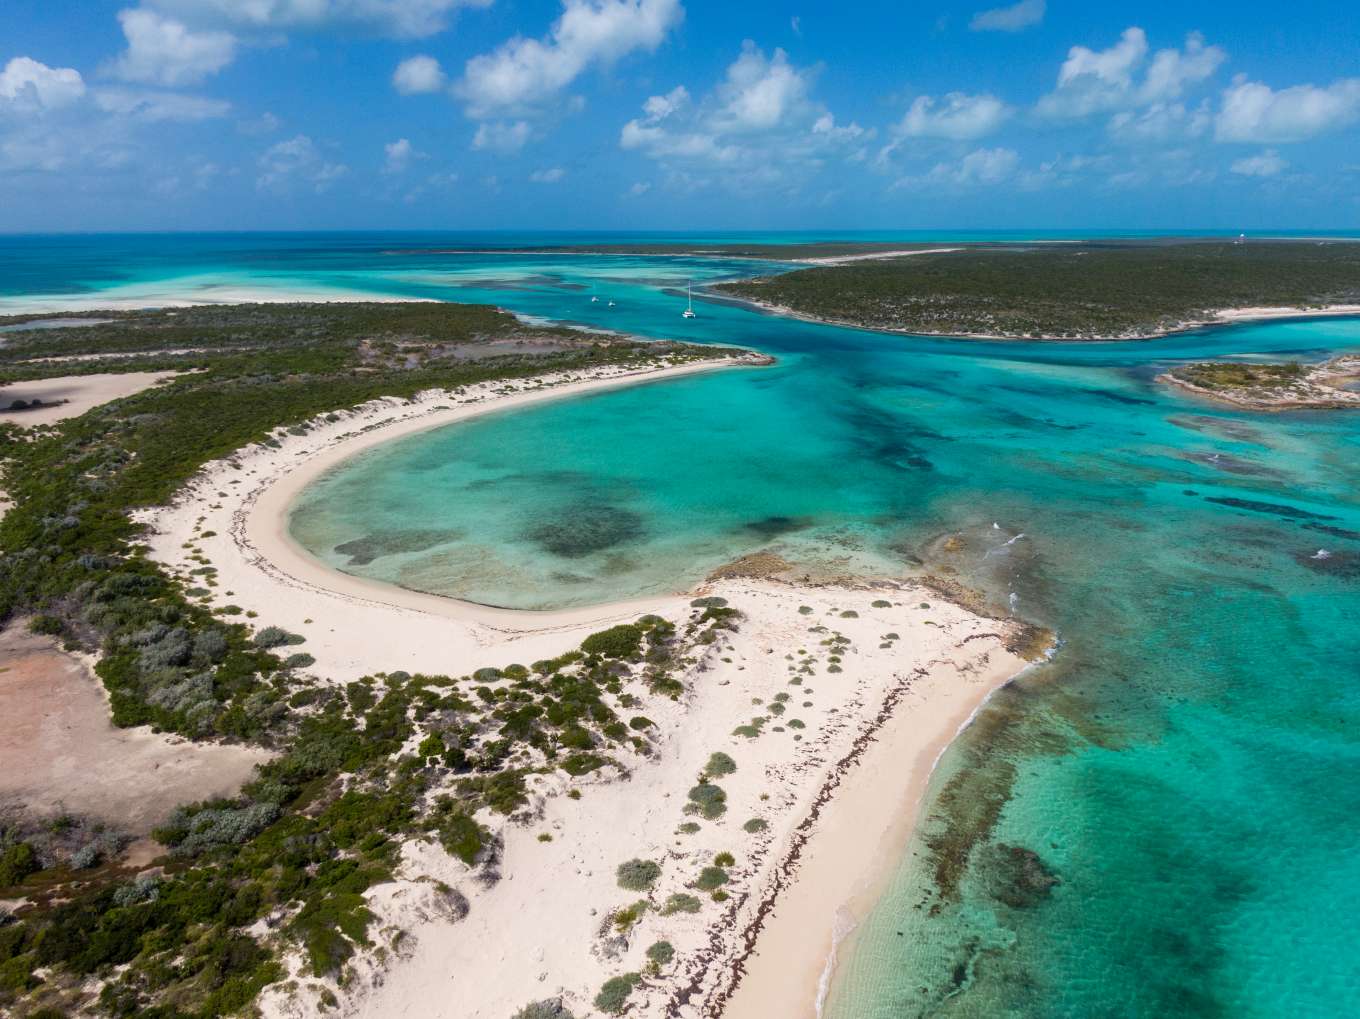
(265, 123)
(550, 176)
(154, 107)
(296, 160)
(27, 83)
(399, 155)
(523, 75)
(759, 126)
(1101, 81)
(418, 74)
(1265, 164)
(760, 93)
(957, 116)
(163, 51)
(1252, 112)
(981, 166)
(639, 188)
(1014, 18)
(1160, 122)
(504, 137)
(399, 18)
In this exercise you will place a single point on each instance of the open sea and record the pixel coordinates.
(1163, 821)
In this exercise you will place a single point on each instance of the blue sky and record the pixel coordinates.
(677, 114)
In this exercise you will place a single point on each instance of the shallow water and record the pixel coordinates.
(1165, 821)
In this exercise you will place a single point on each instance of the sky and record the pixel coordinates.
(678, 115)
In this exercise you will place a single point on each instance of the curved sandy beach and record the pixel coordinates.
(839, 793)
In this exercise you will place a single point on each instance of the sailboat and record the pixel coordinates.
(689, 311)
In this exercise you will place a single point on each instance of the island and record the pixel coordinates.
(1290, 385)
(1081, 291)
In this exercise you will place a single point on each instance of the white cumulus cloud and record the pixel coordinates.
(398, 155)
(399, 18)
(297, 160)
(26, 82)
(524, 74)
(501, 136)
(418, 74)
(1253, 112)
(759, 126)
(164, 51)
(154, 106)
(1014, 18)
(1101, 81)
(552, 175)
(956, 116)
(1265, 164)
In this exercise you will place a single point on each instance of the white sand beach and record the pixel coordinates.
(859, 686)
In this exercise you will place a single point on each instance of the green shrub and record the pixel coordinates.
(689, 827)
(16, 863)
(629, 915)
(661, 952)
(614, 994)
(680, 903)
(276, 636)
(711, 602)
(724, 860)
(622, 641)
(640, 723)
(756, 824)
(552, 1008)
(638, 875)
(880, 603)
(707, 800)
(711, 878)
(49, 625)
(719, 764)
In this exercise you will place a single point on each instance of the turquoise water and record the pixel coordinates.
(1165, 821)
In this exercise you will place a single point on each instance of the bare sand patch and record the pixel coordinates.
(72, 395)
(59, 753)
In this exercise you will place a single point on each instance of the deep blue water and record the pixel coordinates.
(1186, 770)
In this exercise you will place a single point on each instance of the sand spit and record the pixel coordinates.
(831, 701)
(72, 395)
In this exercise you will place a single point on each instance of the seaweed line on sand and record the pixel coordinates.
(787, 869)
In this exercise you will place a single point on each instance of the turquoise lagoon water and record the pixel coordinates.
(1165, 820)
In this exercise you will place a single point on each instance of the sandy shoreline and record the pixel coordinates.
(877, 677)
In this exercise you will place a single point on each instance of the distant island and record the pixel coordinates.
(1086, 291)
(1286, 386)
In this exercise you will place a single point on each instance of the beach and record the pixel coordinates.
(874, 679)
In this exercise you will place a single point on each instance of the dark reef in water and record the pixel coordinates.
(1345, 565)
(775, 526)
(1277, 508)
(583, 530)
(362, 551)
(1019, 877)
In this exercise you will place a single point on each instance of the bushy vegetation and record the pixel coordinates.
(711, 878)
(614, 994)
(707, 800)
(638, 875)
(680, 903)
(1072, 291)
(1239, 374)
(323, 820)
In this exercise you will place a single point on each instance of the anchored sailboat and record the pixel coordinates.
(689, 311)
